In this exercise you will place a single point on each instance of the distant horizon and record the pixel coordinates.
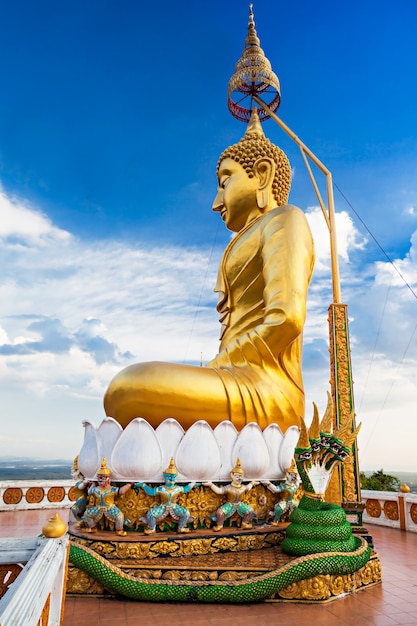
(64, 462)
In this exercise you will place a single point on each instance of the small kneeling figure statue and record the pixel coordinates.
(103, 496)
(168, 494)
(287, 491)
(234, 493)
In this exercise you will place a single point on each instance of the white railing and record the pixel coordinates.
(390, 508)
(37, 595)
(18, 495)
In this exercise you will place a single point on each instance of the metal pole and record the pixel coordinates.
(330, 221)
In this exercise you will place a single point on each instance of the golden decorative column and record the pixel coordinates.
(345, 485)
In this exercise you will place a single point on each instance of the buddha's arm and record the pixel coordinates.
(287, 258)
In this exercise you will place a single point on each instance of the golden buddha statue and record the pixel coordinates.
(262, 284)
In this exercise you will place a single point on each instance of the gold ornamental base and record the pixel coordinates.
(203, 555)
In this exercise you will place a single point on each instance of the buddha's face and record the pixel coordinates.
(236, 195)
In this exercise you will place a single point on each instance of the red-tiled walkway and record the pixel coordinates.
(394, 602)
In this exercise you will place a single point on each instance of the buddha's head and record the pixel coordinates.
(254, 176)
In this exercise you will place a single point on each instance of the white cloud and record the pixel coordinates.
(75, 312)
(348, 237)
(21, 225)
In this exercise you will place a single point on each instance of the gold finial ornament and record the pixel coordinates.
(55, 527)
(254, 125)
(75, 464)
(104, 470)
(171, 469)
(238, 469)
(253, 76)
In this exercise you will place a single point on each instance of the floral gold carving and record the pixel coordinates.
(80, 582)
(12, 495)
(391, 510)
(373, 508)
(324, 587)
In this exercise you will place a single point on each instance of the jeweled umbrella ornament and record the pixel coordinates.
(253, 76)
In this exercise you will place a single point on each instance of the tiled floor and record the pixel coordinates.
(393, 602)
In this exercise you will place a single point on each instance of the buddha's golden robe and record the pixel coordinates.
(263, 281)
(256, 377)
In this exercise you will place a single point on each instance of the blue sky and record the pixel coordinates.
(112, 118)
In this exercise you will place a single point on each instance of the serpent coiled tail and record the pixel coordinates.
(318, 527)
(253, 589)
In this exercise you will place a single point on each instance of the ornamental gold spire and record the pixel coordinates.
(254, 125)
(253, 76)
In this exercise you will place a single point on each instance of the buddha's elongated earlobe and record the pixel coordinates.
(262, 198)
(264, 170)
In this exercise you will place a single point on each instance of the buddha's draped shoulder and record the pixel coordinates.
(264, 276)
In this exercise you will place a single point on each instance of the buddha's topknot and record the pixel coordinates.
(254, 146)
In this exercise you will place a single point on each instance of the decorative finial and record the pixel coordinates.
(254, 125)
(238, 469)
(171, 469)
(55, 527)
(252, 38)
(253, 76)
(104, 470)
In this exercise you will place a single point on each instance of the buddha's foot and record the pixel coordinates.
(184, 529)
(275, 523)
(217, 528)
(121, 533)
(246, 525)
(91, 530)
(149, 531)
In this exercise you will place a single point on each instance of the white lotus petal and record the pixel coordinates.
(286, 453)
(108, 433)
(89, 459)
(198, 455)
(169, 434)
(251, 449)
(226, 436)
(137, 454)
(273, 439)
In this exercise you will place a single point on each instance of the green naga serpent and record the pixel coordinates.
(319, 536)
